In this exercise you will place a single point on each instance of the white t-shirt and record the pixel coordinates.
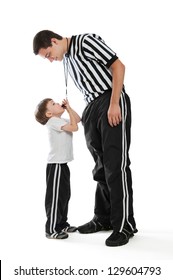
(61, 146)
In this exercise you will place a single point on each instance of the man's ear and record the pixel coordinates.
(54, 40)
(48, 114)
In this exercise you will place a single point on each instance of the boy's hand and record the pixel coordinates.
(65, 104)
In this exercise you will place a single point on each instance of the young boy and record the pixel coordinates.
(57, 173)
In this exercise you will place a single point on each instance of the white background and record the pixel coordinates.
(141, 34)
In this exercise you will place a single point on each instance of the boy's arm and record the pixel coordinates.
(76, 116)
(74, 119)
(66, 105)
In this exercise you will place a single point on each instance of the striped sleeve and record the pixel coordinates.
(95, 48)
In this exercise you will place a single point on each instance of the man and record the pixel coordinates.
(99, 75)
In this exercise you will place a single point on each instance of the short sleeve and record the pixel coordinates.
(56, 123)
(95, 48)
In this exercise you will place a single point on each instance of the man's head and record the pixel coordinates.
(49, 45)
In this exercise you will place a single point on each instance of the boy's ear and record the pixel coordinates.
(48, 114)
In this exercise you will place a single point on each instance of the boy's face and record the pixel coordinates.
(53, 53)
(54, 109)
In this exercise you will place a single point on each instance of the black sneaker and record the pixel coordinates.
(57, 235)
(93, 226)
(69, 229)
(120, 238)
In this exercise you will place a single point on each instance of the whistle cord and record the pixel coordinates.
(66, 69)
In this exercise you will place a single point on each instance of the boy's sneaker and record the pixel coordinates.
(69, 229)
(57, 235)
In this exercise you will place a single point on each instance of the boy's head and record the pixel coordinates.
(46, 109)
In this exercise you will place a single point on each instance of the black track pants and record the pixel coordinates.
(57, 197)
(109, 147)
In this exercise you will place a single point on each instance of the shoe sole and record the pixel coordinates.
(93, 231)
(87, 232)
(60, 237)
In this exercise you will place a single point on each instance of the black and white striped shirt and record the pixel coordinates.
(89, 59)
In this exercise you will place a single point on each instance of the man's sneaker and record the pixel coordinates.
(93, 226)
(120, 238)
(57, 235)
(69, 229)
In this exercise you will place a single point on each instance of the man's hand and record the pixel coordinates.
(114, 114)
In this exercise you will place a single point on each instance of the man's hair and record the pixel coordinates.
(40, 112)
(42, 40)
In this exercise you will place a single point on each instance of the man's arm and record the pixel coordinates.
(114, 111)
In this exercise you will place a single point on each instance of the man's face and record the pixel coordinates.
(53, 53)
